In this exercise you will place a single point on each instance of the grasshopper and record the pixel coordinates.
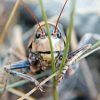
(39, 49)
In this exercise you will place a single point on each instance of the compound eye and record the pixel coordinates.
(38, 35)
(58, 35)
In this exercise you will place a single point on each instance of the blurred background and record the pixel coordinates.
(16, 29)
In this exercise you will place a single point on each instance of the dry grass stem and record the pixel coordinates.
(18, 42)
(19, 93)
(34, 89)
(86, 71)
(9, 21)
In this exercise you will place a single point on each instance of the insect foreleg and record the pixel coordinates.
(25, 76)
(18, 65)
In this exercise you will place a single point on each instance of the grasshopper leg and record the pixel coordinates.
(69, 69)
(25, 76)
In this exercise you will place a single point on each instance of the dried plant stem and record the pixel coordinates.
(94, 48)
(9, 21)
(14, 84)
(17, 37)
(19, 93)
(34, 89)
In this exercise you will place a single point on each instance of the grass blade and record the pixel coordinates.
(68, 37)
(55, 94)
(9, 21)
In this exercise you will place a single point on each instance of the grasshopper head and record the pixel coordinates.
(41, 41)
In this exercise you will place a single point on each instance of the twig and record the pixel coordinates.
(18, 42)
(9, 21)
(34, 89)
(14, 84)
(94, 48)
(19, 93)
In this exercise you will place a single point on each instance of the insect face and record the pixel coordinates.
(41, 40)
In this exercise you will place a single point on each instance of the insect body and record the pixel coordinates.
(39, 51)
(40, 45)
(40, 54)
(39, 48)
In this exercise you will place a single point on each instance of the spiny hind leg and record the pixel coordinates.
(87, 39)
(70, 67)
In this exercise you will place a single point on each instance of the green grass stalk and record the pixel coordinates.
(55, 94)
(68, 37)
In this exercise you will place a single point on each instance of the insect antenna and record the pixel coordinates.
(59, 16)
(32, 14)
